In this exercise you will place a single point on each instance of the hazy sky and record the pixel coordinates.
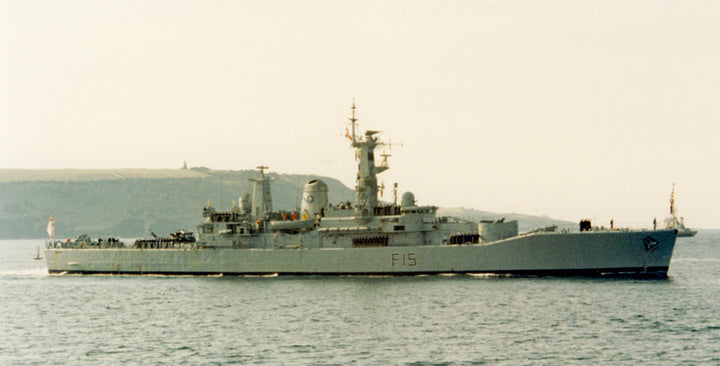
(567, 108)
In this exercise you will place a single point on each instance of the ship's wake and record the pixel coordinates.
(25, 273)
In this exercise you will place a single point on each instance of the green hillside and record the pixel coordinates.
(130, 202)
(78, 175)
(161, 200)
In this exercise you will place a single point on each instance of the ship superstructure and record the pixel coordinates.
(319, 225)
(369, 237)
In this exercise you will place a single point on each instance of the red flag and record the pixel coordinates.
(672, 201)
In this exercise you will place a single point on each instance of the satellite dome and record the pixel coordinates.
(408, 200)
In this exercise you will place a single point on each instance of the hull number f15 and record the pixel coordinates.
(403, 259)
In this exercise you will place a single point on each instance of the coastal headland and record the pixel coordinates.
(130, 203)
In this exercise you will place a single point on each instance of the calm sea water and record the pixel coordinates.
(424, 320)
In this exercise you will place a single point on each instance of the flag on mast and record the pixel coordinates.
(672, 201)
(51, 227)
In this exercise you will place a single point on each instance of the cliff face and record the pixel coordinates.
(127, 203)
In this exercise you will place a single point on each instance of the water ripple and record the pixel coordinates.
(354, 320)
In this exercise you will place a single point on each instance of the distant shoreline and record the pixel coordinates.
(82, 175)
(129, 202)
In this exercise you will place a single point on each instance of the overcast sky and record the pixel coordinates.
(570, 109)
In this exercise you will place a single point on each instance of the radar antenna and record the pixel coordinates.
(262, 169)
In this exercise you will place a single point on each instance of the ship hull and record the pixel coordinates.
(564, 254)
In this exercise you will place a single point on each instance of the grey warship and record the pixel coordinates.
(367, 237)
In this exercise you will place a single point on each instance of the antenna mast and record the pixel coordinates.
(366, 183)
(353, 120)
